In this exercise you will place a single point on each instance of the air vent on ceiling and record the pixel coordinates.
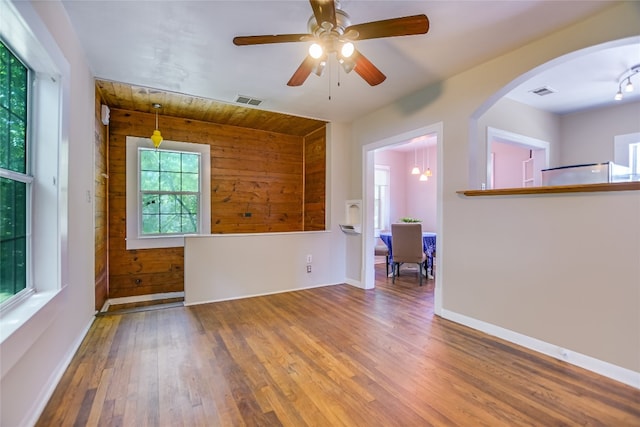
(241, 99)
(542, 91)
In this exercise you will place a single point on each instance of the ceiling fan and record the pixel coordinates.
(331, 31)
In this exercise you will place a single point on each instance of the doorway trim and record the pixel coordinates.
(368, 168)
(507, 137)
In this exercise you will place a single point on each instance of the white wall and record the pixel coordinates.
(27, 385)
(507, 163)
(227, 266)
(587, 136)
(560, 270)
(422, 195)
(411, 197)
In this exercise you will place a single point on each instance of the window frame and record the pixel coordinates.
(26, 178)
(134, 237)
(384, 201)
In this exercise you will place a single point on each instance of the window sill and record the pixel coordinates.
(583, 188)
(23, 325)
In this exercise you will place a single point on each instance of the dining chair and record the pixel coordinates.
(382, 250)
(407, 247)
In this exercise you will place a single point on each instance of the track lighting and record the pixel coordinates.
(626, 76)
(629, 86)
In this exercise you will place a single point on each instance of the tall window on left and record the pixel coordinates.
(15, 175)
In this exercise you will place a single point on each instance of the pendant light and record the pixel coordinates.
(416, 169)
(156, 137)
(424, 176)
(428, 171)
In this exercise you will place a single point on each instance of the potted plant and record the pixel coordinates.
(409, 219)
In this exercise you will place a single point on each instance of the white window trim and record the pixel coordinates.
(134, 239)
(22, 323)
(385, 209)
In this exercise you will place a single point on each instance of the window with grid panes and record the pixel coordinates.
(169, 192)
(15, 175)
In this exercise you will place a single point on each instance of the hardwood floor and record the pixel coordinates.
(331, 356)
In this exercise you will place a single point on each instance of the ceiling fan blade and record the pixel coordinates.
(278, 38)
(302, 72)
(365, 68)
(324, 11)
(406, 26)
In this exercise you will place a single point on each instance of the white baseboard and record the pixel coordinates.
(589, 363)
(187, 304)
(140, 298)
(352, 282)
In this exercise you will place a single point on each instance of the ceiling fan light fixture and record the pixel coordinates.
(319, 68)
(348, 64)
(316, 51)
(347, 49)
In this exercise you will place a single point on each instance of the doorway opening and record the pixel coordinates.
(434, 134)
(515, 160)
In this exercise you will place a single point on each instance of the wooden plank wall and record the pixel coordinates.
(315, 169)
(101, 282)
(256, 186)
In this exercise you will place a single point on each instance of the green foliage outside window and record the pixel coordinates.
(169, 191)
(14, 184)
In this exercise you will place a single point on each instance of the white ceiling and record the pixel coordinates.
(186, 47)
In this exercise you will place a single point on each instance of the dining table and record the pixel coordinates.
(428, 246)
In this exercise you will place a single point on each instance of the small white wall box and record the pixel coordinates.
(353, 217)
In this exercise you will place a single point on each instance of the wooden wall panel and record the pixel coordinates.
(256, 186)
(315, 180)
(101, 276)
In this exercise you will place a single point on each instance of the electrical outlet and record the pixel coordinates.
(308, 268)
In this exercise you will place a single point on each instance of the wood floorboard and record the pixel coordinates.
(330, 356)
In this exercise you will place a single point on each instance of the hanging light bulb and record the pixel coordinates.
(428, 171)
(424, 176)
(416, 169)
(156, 137)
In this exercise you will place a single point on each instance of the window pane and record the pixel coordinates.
(190, 163)
(150, 224)
(150, 204)
(149, 160)
(189, 203)
(149, 181)
(170, 224)
(189, 224)
(190, 182)
(170, 161)
(18, 88)
(13, 238)
(169, 204)
(4, 137)
(170, 181)
(17, 144)
(13, 112)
